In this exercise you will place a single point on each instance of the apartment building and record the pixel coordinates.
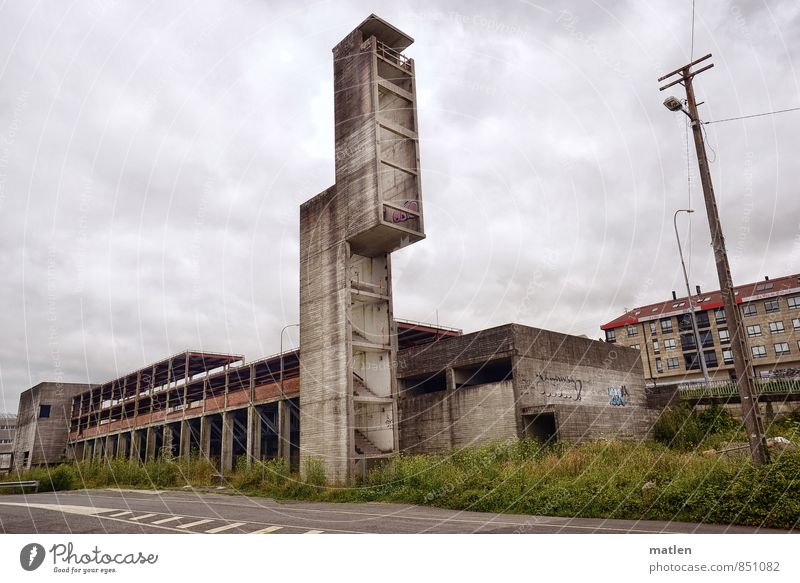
(664, 334)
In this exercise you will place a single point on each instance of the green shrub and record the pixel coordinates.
(315, 472)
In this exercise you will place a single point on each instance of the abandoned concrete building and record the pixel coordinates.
(363, 385)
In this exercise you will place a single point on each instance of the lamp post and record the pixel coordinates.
(689, 294)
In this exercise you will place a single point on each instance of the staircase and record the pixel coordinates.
(364, 446)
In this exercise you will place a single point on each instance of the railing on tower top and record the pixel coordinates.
(388, 53)
(711, 389)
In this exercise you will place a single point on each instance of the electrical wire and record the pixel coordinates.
(749, 116)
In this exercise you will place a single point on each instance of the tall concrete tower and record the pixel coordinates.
(347, 233)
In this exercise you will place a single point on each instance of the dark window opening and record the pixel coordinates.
(692, 361)
(541, 426)
(711, 359)
(702, 319)
(426, 384)
(483, 374)
(44, 411)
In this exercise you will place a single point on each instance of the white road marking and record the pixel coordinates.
(197, 523)
(118, 514)
(170, 519)
(223, 528)
(134, 491)
(143, 516)
(267, 530)
(84, 510)
(313, 532)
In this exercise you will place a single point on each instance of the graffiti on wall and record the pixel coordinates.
(555, 387)
(619, 396)
(401, 217)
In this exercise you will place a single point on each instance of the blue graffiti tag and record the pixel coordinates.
(618, 396)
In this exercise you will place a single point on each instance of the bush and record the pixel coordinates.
(685, 428)
(315, 472)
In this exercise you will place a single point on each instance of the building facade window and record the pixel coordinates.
(707, 339)
(44, 411)
(669, 343)
(727, 356)
(758, 351)
(659, 365)
(702, 319)
(691, 361)
(796, 323)
(673, 363)
(754, 330)
(724, 336)
(781, 348)
(685, 322)
(794, 302)
(719, 315)
(653, 327)
(688, 342)
(776, 327)
(633, 331)
(655, 346)
(635, 346)
(771, 306)
(666, 325)
(711, 359)
(749, 310)
(611, 335)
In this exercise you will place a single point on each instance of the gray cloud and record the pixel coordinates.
(152, 160)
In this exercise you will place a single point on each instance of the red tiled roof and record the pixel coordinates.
(707, 301)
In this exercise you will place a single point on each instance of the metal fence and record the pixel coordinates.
(724, 389)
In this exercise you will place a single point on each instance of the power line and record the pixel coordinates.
(753, 115)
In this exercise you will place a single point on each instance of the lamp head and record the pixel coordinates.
(672, 103)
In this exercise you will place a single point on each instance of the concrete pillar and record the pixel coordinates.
(134, 446)
(253, 435)
(98, 448)
(226, 455)
(186, 439)
(205, 436)
(124, 445)
(109, 447)
(284, 431)
(151, 444)
(78, 451)
(166, 440)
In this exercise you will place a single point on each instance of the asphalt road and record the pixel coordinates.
(145, 511)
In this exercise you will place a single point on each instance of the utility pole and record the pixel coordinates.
(745, 381)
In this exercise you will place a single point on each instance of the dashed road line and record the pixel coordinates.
(170, 519)
(142, 517)
(197, 523)
(224, 528)
(267, 530)
(118, 514)
(313, 532)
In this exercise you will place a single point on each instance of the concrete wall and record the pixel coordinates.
(8, 428)
(45, 439)
(593, 390)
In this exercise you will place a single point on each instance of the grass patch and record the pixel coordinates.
(606, 479)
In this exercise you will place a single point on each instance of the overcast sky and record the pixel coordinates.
(153, 158)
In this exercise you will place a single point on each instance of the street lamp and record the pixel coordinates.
(700, 354)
